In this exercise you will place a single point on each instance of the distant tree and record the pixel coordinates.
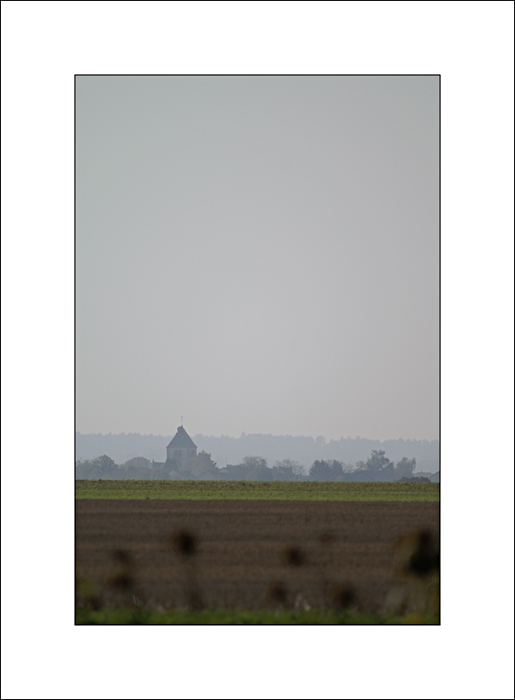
(233, 472)
(158, 473)
(322, 470)
(378, 462)
(296, 468)
(256, 469)
(283, 474)
(405, 468)
(201, 464)
(104, 462)
(259, 474)
(99, 468)
(136, 463)
(338, 468)
(82, 469)
(254, 462)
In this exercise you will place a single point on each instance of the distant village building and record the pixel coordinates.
(181, 448)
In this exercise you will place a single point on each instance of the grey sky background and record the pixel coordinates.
(257, 254)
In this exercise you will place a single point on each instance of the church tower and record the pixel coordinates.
(181, 447)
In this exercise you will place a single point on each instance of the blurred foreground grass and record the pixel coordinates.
(143, 616)
(257, 490)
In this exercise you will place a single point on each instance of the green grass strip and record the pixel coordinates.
(143, 616)
(257, 490)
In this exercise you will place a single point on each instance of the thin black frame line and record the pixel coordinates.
(440, 343)
(439, 76)
(75, 343)
(258, 75)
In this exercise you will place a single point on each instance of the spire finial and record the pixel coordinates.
(181, 421)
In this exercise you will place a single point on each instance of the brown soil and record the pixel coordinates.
(251, 554)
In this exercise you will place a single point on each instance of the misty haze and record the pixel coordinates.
(286, 457)
(257, 349)
(259, 254)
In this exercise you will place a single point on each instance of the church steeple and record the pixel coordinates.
(181, 447)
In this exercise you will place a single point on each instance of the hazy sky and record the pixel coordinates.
(257, 254)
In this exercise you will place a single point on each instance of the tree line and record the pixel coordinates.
(273, 448)
(376, 468)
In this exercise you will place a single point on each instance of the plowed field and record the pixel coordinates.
(244, 557)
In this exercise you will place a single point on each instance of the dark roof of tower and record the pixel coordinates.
(181, 439)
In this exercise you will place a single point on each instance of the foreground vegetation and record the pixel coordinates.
(258, 490)
(254, 561)
(144, 616)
